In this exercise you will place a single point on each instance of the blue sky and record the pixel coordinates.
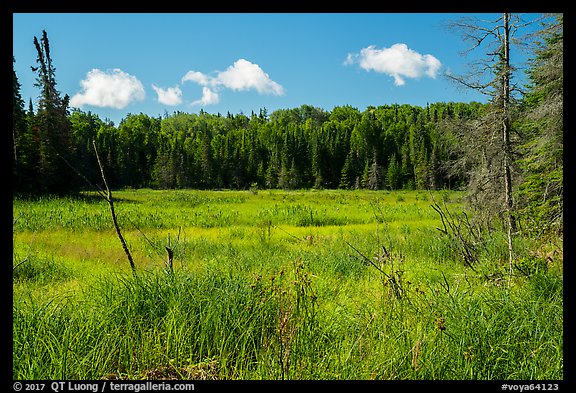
(115, 64)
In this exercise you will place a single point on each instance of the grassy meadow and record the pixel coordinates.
(275, 285)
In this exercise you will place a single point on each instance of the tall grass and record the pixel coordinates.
(283, 327)
(271, 289)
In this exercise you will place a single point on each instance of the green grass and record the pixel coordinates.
(266, 285)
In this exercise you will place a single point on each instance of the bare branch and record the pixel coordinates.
(19, 263)
(471, 85)
(368, 260)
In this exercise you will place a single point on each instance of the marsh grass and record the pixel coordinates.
(39, 269)
(264, 286)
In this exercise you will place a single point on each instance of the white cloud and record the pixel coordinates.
(398, 61)
(350, 59)
(242, 75)
(209, 97)
(115, 89)
(198, 77)
(170, 96)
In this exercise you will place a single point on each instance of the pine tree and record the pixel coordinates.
(54, 130)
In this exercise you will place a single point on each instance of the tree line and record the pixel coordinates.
(389, 147)
(385, 147)
(441, 145)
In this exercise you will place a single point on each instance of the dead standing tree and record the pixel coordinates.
(110, 201)
(489, 157)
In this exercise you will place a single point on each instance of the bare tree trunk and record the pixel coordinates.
(511, 223)
(111, 204)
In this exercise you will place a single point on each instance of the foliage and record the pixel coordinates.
(540, 194)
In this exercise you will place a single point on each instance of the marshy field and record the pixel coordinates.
(276, 285)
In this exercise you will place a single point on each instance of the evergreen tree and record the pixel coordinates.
(407, 167)
(272, 172)
(374, 176)
(84, 128)
(293, 176)
(541, 192)
(394, 174)
(21, 139)
(317, 164)
(350, 178)
(54, 131)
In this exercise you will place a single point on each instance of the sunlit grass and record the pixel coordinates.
(272, 285)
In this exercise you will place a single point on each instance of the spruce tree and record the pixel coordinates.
(55, 147)
(541, 192)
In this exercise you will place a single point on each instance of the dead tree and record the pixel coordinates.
(110, 201)
(492, 76)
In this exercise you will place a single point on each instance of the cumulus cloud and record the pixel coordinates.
(242, 75)
(171, 96)
(113, 88)
(198, 77)
(398, 61)
(209, 97)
